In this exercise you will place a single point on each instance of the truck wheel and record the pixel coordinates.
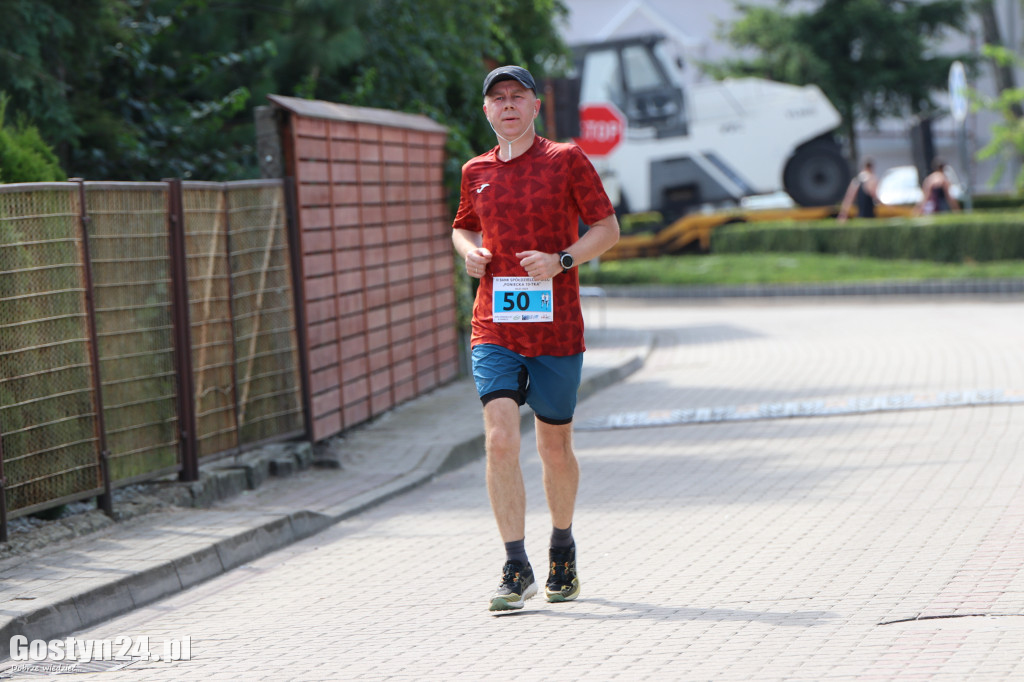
(816, 175)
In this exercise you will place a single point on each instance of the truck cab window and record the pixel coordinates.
(652, 99)
(640, 70)
(602, 78)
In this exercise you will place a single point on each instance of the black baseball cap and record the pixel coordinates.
(510, 73)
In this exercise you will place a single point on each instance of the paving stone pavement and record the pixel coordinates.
(878, 546)
(75, 583)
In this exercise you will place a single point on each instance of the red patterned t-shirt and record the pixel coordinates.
(533, 202)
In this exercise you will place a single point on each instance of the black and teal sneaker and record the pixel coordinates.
(563, 582)
(517, 585)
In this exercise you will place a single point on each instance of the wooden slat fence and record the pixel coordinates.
(90, 357)
(145, 327)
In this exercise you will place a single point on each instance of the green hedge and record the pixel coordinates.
(1013, 202)
(635, 223)
(952, 238)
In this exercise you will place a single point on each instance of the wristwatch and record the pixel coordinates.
(566, 260)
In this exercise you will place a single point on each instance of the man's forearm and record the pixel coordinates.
(465, 241)
(601, 236)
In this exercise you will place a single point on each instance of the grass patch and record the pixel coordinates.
(786, 268)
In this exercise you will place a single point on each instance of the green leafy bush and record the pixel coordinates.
(24, 157)
(952, 238)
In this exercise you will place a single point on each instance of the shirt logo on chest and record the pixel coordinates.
(481, 187)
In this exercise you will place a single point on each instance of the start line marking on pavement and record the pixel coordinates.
(802, 408)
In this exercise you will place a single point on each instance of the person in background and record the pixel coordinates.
(936, 196)
(862, 192)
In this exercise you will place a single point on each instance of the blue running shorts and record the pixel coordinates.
(547, 383)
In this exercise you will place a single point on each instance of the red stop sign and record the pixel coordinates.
(601, 128)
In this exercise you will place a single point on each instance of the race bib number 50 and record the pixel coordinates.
(523, 299)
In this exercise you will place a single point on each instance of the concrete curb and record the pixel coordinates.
(176, 574)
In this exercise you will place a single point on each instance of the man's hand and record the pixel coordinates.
(476, 261)
(540, 265)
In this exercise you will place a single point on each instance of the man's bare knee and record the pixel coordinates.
(501, 421)
(559, 460)
(502, 452)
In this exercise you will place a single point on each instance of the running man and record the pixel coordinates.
(517, 230)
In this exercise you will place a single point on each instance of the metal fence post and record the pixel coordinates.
(3, 493)
(182, 332)
(299, 298)
(104, 501)
(231, 316)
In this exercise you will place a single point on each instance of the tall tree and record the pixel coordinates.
(45, 62)
(171, 94)
(150, 88)
(1008, 135)
(430, 57)
(145, 89)
(1002, 68)
(871, 58)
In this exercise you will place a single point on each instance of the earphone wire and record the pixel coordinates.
(511, 142)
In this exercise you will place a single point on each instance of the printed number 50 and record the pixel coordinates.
(519, 301)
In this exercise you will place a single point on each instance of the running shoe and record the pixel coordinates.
(563, 582)
(517, 585)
